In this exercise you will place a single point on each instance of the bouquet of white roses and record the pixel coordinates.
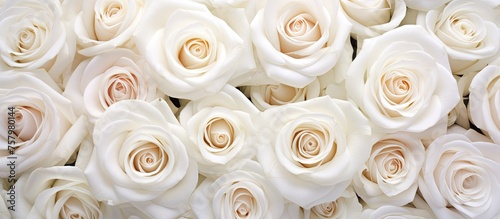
(250, 109)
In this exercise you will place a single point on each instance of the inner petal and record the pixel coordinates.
(219, 133)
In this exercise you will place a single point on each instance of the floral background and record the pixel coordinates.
(250, 108)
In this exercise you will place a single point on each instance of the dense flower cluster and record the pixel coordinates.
(250, 109)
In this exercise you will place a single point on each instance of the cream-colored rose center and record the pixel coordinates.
(196, 53)
(219, 134)
(281, 94)
(74, 209)
(325, 210)
(297, 32)
(29, 40)
(309, 147)
(27, 122)
(148, 158)
(109, 16)
(121, 87)
(462, 31)
(396, 87)
(243, 203)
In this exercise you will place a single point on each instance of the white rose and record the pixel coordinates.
(346, 206)
(43, 130)
(401, 81)
(459, 178)
(269, 95)
(105, 79)
(375, 17)
(55, 192)
(103, 25)
(470, 31)
(298, 40)
(221, 129)
(140, 158)
(389, 177)
(311, 150)
(484, 103)
(35, 37)
(193, 58)
(389, 211)
(425, 5)
(240, 194)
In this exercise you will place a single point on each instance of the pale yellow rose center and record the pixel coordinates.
(243, 203)
(73, 208)
(309, 147)
(388, 162)
(297, 32)
(109, 16)
(196, 53)
(326, 210)
(27, 120)
(219, 134)
(121, 87)
(148, 158)
(281, 94)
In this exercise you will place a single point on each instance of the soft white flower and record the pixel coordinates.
(34, 36)
(389, 177)
(374, 17)
(484, 102)
(222, 131)
(401, 80)
(45, 130)
(105, 79)
(193, 52)
(56, 192)
(311, 150)
(244, 193)
(425, 5)
(346, 206)
(298, 40)
(470, 31)
(459, 178)
(103, 25)
(268, 95)
(389, 211)
(140, 158)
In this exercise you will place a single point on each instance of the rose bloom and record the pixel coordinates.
(140, 158)
(484, 102)
(298, 40)
(221, 129)
(390, 211)
(372, 18)
(105, 79)
(104, 25)
(35, 36)
(346, 206)
(459, 178)
(470, 31)
(193, 52)
(401, 80)
(243, 193)
(45, 130)
(389, 177)
(311, 150)
(55, 192)
(268, 95)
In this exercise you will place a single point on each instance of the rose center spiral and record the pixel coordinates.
(218, 133)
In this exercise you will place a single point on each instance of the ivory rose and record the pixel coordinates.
(103, 25)
(140, 158)
(390, 174)
(243, 193)
(192, 52)
(402, 82)
(56, 192)
(470, 31)
(298, 40)
(35, 36)
(459, 178)
(311, 150)
(374, 17)
(269, 95)
(45, 130)
(222, 131)
(105, 79)
(484, 102)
